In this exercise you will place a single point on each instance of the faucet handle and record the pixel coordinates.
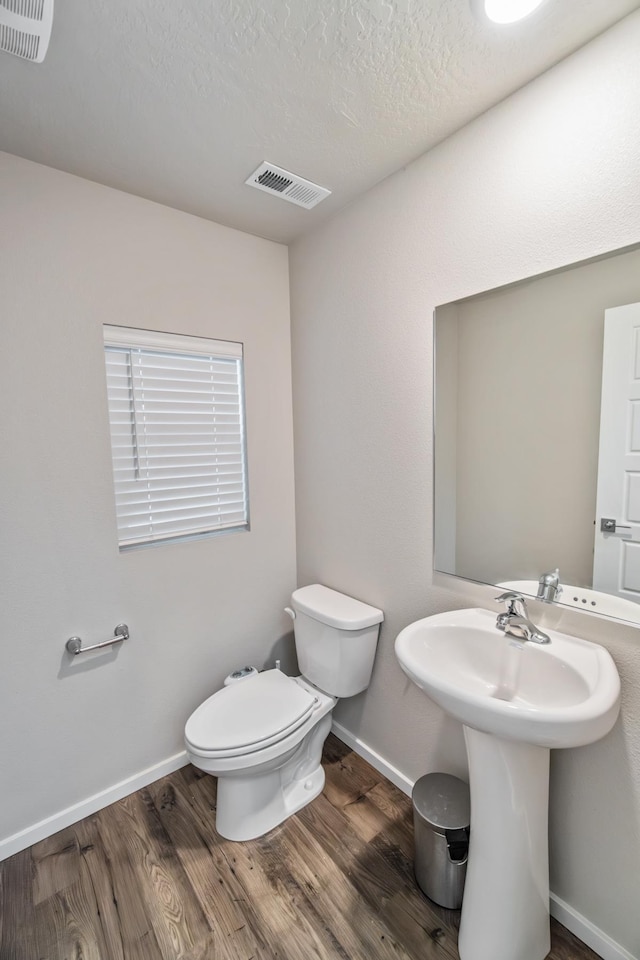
(512, 599)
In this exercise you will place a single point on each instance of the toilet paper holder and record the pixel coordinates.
(74, 644)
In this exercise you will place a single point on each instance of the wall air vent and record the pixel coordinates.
(25, 28)
(281, 183)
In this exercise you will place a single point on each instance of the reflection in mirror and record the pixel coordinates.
(527, 480)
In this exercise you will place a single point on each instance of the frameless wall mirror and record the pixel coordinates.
(537, 436)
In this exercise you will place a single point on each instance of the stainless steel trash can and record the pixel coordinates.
(441, 809)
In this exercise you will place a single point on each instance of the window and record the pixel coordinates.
(176, 412)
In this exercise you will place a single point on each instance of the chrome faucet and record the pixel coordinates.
(549, 586)
(515, 621)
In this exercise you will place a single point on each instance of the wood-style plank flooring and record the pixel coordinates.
(148, 878)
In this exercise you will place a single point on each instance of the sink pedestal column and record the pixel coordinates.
(505, 911)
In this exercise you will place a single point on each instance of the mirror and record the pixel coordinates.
(524, 475)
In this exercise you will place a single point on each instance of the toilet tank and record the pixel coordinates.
(336, 638)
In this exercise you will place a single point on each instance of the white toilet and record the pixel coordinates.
(263, 736)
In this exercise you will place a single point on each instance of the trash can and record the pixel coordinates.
(441, 810)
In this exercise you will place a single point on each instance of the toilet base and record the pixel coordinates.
(254, 802)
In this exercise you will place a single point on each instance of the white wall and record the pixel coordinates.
(74, 255)
(548, 177)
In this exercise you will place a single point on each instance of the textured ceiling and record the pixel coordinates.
(180, 101)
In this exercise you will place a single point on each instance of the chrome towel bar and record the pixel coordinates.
(120, 633)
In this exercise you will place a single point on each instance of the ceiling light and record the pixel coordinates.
(505, 11)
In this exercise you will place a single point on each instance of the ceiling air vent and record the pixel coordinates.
(281, 183)
(25, 28)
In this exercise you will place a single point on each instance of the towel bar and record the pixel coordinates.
(74, 644)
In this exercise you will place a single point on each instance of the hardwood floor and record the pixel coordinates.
(149, 879)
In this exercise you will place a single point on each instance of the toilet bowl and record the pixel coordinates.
(263, 737)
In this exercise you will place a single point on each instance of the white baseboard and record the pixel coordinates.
(582, 928)
(377, 762)
(586, 931)
(46, 828)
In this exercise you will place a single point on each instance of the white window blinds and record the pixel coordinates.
(176, 414)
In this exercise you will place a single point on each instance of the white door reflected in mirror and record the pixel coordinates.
(616, 562)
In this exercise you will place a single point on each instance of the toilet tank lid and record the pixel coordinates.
(335, 609)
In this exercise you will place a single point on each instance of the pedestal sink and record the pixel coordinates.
(516, 700)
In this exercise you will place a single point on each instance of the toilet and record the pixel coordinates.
(263, 736)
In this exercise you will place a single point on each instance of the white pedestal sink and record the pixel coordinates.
(516, 700)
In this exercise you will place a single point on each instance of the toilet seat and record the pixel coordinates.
(249, 715)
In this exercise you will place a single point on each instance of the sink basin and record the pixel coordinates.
(562, 694)
(515, 700)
